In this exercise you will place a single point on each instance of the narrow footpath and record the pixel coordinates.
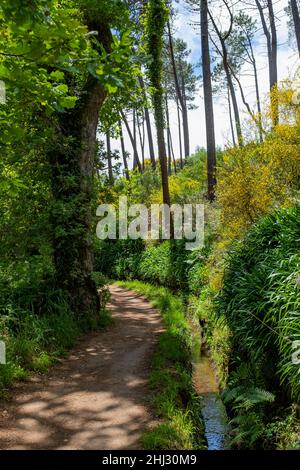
(97, 397)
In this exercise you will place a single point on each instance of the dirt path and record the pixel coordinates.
(94, 399)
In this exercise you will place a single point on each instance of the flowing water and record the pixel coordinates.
(213, 409)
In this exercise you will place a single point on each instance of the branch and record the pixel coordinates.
(231, 21)
(263, 22)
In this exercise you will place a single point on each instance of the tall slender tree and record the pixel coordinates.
(123, 149)
(136, 160)
(180, 91)
(208, 102)
(109, 158)
(270, 32)
(223, 51)
(296, 21)
(179, 133)
(148, 124)
(231, 118)
(157, 17)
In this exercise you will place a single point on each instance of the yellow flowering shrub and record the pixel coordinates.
(257, 178)
(182, 190)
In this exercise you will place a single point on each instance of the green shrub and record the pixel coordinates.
(261, 298)
(118, 259)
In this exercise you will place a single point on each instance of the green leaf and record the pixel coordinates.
(68, 102)
(63, 88)
(57, 75)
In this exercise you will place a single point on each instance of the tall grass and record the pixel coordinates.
(261, 299)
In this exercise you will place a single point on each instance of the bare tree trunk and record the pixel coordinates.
(141, 138)
(168, 136)
(271, 37)
(124, 155)
(185, 122)
(179, 133)
(208, 101)
(224, 55)
(230, 117)
(172, 151)
(133, 143)
(148, 125)
(296, 19)
(273, 65)
(253, 61)
(169, 153)
(260, 128)
(180, 95)
(234, 102)
(256, 120)
(108, 156)
(135, 160)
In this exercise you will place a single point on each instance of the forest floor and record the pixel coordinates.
(96, 398)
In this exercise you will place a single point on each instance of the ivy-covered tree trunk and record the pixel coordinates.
(156, 21)
(72, 162)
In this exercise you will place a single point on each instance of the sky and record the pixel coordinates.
(287, 65)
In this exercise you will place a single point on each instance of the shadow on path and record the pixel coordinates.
(94, 399)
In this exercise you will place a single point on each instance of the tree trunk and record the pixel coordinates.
(168, 136)
(234, 102)
(159, 120)
(272, 56)
(108, 156)
(72, 186)
(230, 118)
(226, 66)
(273, 65)
(124, 156)
(141, 138)
(208, 101)
(172, 151)
(253, 61)
(135, 160)
(296, 19)
(180, 95)
(256, 120)
(148, 125)
(133, 143)
(157, 17)
(179, 134)
(185, 123)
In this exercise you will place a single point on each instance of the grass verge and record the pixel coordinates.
(173, 397)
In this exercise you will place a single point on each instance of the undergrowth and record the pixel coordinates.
(35, 338)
